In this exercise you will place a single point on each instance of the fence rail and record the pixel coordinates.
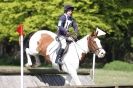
(90, 86)
(13, 70)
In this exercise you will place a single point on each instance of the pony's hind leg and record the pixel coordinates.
(37, 61)
(29, 62)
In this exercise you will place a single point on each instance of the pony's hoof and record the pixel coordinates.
(47, 84)
(67, 85)
(36, 65)
(27, 65)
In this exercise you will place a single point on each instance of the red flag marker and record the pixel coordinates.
(20, 30)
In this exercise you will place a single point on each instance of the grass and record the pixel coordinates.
(110, 77)
(119, 66)
(115, 73)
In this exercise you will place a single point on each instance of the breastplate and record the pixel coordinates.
(67, 23)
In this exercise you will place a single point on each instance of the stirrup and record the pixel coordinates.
(59, 62)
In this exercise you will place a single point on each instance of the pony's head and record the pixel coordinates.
(94, 43)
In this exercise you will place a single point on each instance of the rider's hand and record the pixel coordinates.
(68, 34)
(74, 36)
(70, 39)
(56, 38)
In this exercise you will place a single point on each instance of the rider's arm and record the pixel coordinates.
(61, 24)
(74, 25)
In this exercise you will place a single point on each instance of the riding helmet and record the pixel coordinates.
(68, 7)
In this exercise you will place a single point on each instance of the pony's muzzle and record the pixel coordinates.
(101, 53)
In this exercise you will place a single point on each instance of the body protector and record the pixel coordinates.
(64, 23)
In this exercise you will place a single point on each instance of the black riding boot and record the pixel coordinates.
(59, 56)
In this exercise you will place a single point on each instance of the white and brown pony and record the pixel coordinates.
(44, 43)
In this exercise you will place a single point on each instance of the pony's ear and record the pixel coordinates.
(100, 32)
(94, 34)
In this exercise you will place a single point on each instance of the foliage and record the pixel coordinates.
(6, 60)
(44, 14)
(113, 16)
(119, 65)
(88, 13)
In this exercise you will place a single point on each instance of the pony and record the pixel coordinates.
(43, 42)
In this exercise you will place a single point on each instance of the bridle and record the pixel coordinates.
(92, 44)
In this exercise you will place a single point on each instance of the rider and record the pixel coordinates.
(65, 21)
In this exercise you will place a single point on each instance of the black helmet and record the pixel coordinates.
(68, 7)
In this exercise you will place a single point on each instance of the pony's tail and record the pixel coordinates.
(26, 39)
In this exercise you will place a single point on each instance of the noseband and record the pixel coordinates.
(92, 44)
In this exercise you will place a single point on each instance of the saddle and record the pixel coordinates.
(67, 47)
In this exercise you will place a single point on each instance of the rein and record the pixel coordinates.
(84, 51)
(74, 46)
(79, 47)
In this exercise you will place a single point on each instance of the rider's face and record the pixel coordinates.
(69, 12)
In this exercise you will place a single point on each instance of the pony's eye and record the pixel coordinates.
(94, 41)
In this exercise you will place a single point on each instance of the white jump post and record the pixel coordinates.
(100, 33)
(21, 33)
(93, 67)
(22, 67)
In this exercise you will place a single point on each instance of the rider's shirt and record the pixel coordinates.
(64, 23)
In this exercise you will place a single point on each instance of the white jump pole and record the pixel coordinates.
(93, 67)
(21, 34)
(22, 67)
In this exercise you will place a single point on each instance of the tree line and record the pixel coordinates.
(115, 17)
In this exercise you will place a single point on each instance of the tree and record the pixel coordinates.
(113, 16)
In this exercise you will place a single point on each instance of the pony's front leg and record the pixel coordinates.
(68, 80)
(29, 62)
(75, 78)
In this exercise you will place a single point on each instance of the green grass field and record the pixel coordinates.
(110, 77)
(115, 73)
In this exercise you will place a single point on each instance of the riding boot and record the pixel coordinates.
(59, 56)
